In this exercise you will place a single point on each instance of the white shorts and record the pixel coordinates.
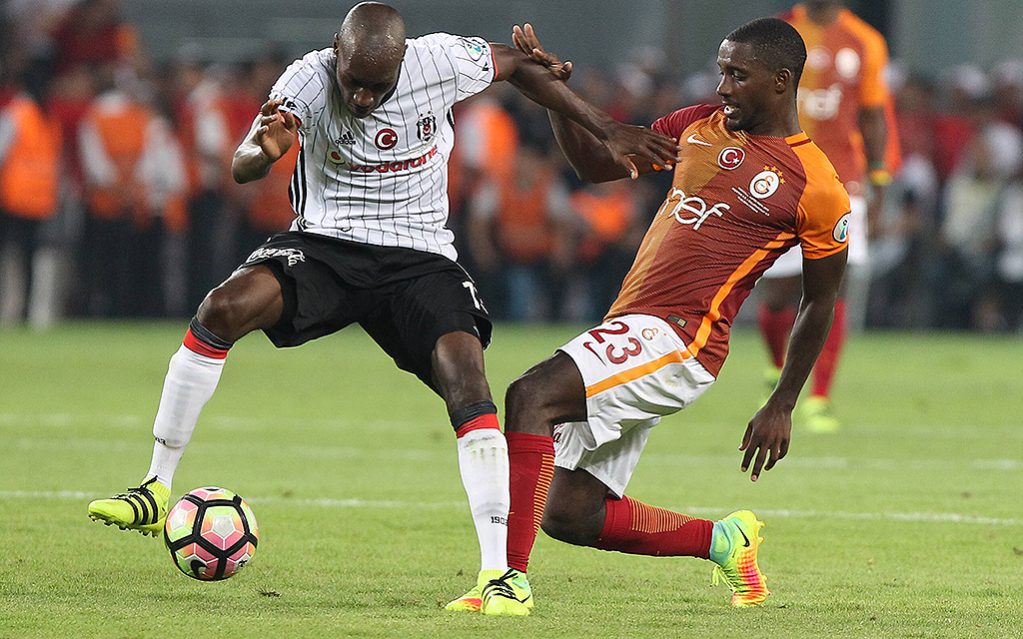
(790, 263)
(636, 369)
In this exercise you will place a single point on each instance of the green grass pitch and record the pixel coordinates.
(905, 524)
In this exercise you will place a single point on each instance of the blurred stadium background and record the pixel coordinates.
(178, 81)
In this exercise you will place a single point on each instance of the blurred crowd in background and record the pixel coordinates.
(116, 198)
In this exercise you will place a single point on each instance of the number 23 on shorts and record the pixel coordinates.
(614, 353)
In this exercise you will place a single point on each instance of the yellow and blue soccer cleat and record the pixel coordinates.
(737, 560)
(143, 509)
(508, 596)
(816, 416)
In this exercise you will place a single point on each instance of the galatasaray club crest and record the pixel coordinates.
(427, 127)
(764, 184)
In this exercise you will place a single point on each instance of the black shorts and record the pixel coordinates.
(404, 299)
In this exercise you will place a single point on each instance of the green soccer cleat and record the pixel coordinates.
(507, 595)
(472, 601)
(816, 415)
(739, 568)
(143, 509)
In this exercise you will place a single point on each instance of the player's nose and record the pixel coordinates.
(363, 98)
(724, 87)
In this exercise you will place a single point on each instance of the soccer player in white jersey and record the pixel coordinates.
(369, 246)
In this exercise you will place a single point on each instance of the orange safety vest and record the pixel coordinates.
(502, 141)
(523, 222)
(269, 206)
(30, 174)
(122, 133)
(608, 217)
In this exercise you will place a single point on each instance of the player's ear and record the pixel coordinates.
(782, 80)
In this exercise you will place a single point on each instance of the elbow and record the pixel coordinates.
(237, 173)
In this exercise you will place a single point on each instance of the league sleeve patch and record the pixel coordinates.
(841, 231)
(473, 48)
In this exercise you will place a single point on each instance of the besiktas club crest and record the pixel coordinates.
(427, 127)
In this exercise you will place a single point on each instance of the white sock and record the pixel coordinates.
(190, 382)
(483, 462)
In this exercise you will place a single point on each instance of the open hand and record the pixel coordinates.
(767, 433)
(527, 42)
(629, 143)
(276, 130)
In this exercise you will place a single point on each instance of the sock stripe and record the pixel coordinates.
(469, 413)
(200, 347)
(543, 486)
(650, 519)
(479, 423)
(207, 335)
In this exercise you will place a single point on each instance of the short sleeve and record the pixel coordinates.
(471, 61)
(302, 90)
(824, 215)
(873, 87)
(673, 124)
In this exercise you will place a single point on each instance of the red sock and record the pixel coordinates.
(531, 468)
(776, 326)
(636, 528)
(824, 369)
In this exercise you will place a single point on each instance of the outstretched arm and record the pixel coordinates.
(769, 430)
(591, 158)
(621, 142)
(272, 134)
(874, 128)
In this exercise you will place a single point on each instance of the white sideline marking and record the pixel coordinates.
(947, 518)
(427, 455)
(235, 422)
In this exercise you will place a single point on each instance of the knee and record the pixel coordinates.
(565, 526)
(223, 314)
(527, 394)
(457, 363)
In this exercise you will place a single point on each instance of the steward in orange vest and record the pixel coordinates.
(29, 189)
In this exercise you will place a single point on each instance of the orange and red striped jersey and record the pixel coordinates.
(844, 72)
(737, 202)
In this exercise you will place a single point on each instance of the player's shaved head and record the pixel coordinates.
(370, 46)
(775, 43)
(372, 31)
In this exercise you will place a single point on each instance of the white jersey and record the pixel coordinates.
(382, 179)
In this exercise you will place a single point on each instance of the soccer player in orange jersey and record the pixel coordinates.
(748, 185)
(842, 99)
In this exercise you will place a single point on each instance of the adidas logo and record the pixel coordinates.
(347, 138)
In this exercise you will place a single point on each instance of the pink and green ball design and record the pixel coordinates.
(211, 533)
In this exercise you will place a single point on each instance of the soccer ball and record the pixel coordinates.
(211, 533)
